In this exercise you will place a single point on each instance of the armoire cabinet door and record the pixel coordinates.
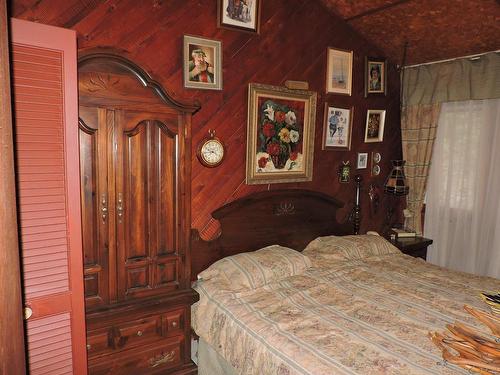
(146, 204)
(96, 215)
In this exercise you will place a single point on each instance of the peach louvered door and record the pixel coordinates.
(45, 114)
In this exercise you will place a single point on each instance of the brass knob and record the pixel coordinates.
(139, 333)
(174, 324)
(89, 346)
(27, 312)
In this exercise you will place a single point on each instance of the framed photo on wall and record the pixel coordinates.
(374, 130)
(280, 134)
(339, 71)
(242, 15)
(375, 76)
(337, 128)
(362, 161)
(202, 63)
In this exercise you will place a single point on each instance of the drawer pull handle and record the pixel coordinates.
(89, 346)
(174, 324)
(163, 358)
(139, 333)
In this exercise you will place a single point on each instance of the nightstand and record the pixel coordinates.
(414, 246)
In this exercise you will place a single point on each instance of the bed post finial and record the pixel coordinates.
(357, 206)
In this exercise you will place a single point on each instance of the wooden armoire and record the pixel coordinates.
(135, 158)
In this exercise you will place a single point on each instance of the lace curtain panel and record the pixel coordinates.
(463, 189)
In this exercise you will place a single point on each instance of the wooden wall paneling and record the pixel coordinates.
(291, 45)
(45, 104)
(12, 358)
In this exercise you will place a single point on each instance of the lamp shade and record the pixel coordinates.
(396, 181)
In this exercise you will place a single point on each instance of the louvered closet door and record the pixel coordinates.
(146, 204)
(45, 113)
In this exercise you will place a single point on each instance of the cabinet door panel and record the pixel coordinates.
(95, 204)
(147, 190)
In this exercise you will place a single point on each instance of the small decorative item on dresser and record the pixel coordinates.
(414, 246)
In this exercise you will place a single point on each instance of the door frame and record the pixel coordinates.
(12, 355)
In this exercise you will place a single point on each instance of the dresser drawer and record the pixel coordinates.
(136, 332)
(144, 360)
(173, 321)
(98, 342)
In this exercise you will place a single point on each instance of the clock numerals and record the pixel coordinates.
(211, 153)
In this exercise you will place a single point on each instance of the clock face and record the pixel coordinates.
(212, 152)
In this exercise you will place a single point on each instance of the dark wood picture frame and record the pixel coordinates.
(376, 85)
(230, 17)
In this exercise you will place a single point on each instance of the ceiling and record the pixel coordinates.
(434, 29)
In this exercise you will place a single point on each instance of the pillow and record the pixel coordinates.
(255, 269)
(347, 248)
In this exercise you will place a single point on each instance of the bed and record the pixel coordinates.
(314, 299)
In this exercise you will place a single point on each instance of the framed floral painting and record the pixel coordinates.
(337, 128)
(241, 15)
(339, 71)
(280, 134)
(374, 130)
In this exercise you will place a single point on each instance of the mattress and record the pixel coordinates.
(363, 314)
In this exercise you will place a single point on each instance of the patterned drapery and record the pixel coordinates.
(418, 131)
(424, 88)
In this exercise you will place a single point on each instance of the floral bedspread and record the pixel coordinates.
(367, 316)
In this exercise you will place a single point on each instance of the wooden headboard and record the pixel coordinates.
(289, 218)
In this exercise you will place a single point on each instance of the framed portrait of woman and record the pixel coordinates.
(375, 76)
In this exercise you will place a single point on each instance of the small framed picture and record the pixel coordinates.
(337, 128)
(345, 173)
(362, 160)
(339, 71)
(374, 131)
(375, 76)
(241, 15)
(202, 63)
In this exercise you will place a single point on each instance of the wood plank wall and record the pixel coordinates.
(292, 44)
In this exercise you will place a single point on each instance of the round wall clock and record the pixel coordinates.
(210, 151)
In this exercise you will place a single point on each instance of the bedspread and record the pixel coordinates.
(366, 316)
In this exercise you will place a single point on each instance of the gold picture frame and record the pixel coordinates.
(280, 134)
(339, 71)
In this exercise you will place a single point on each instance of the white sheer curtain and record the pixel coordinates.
(463, 191)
